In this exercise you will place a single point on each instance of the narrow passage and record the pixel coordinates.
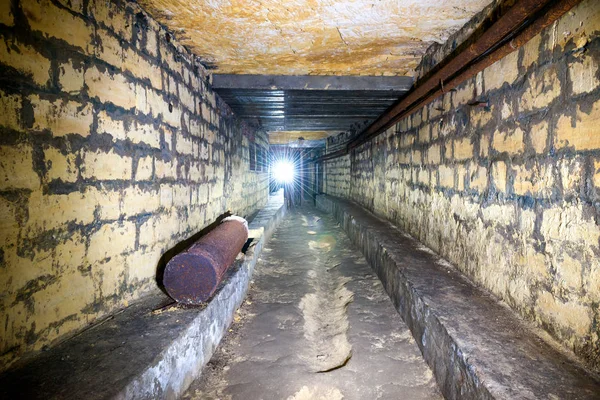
(317, 324)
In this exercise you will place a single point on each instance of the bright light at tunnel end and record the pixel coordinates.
(283, 171)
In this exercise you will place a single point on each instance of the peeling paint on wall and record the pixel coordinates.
(320, 37)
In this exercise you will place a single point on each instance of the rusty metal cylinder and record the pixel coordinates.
(191, 277)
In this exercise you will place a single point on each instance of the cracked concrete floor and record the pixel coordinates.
(317, 324)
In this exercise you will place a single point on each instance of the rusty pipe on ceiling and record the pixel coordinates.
(191, 277)
(519, 24)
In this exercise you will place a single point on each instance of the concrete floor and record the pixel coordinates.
(316, 324)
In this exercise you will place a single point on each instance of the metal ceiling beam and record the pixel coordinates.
(312, 82)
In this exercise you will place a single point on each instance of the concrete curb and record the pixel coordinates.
(150, 350)
(476, 347)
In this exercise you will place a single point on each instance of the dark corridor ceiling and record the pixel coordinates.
(313, 107)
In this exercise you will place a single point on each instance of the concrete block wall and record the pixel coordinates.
(113, 148)
(509, 194)
(335, 173)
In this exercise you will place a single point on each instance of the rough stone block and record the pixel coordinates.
(60, 300)
(108, 88)
(139, 67)
(99, 165)
(433, 154)
(461, 173)
(109, 48)
(62, 117)
(571, 314)
(478, 177)
(543, 87)
(583, 134)
(113, 127)
(70, 78)
(539, 137)
(568, 222)
(142, 133)
(479, 117)
(572, 173)
(184, 145)
(577, 25)
(137, 201)
(16, 168)
(165, 169)
(582, 74)
(10, 110)
(77, 6)
(60, 166)
(142, 105)
(144, 169)
(26, 60)
(505, 70)
(111, 15)
(9, 226)
(45, 17)
(404, 157)
(50, 211)
(111, 240)
(463, 149)
(109, 204)
(166, 195)
(111, 276)
(143, 264)
(531, 51)
(503, 214)
(510, 142)
(424, 134)
(499, 175)
(484, 145)
(446, 176)
(152, 38)
(181, 195)
(406, 140)
(464, 93)
(536, 180)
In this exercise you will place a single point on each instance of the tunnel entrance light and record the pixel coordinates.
(283, 171)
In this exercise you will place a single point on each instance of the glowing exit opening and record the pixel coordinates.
(283, 171)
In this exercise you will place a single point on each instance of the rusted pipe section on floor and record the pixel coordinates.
(518, 25)
(193, 276)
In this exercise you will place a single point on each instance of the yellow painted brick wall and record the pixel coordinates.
(509, 194)
(113, 149)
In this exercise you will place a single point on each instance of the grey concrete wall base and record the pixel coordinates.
(152, 350)
(476, 347)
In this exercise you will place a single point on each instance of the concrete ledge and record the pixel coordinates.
(476, 347)
(152, 350)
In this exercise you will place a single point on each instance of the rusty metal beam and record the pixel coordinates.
(518, 25)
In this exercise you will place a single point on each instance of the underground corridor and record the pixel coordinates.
(297, 200)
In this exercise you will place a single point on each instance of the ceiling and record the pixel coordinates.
(318, 105)
(287, 54)
(312, 37)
